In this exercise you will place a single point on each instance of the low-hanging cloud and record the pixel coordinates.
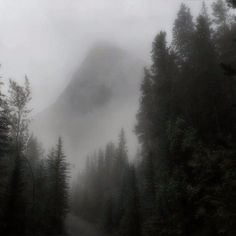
(47, 40)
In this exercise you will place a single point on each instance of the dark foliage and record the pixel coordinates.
(28, 203)
(107, 193)
(184, 183)
(232, 3)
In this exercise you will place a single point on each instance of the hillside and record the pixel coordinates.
(100, 99)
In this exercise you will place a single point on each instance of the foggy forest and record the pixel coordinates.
(118, 119)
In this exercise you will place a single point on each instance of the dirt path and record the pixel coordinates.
(79, 227)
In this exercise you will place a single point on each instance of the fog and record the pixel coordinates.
(49, 40)
(109, 126)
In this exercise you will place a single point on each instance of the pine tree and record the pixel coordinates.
(121, 159)
(205, 82)
(109, 160)
(226, 49)
(122, 156)
(183, 31)
(156, 113)
(144, 127)
(130, 224)
(40, 219)
(149, 205)
(220, 13)
(225, 37)
(163, 71)
(58, 196)
(33, 159)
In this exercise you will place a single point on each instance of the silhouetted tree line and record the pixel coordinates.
(107, 193)
(33, 189)
(184, 182)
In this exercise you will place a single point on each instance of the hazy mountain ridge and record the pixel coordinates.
(101, 98)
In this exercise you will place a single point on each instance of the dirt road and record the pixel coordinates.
(79, 227)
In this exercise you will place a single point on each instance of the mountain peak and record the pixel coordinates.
(105, 73)
(104, 90)
(103, 53)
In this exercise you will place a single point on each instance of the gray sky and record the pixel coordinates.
(48, 39)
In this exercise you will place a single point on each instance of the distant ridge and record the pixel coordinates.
(101, 97)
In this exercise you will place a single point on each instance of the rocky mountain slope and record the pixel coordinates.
(100, 99)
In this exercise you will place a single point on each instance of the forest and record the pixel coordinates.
(33, 188)
(182, 180)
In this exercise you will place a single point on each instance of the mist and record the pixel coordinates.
(49, 41)
(117, 117)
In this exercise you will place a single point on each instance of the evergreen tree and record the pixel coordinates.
(225, 37)
(109, 160)
(144, 127)
(223, 30)
(58, 195)
(149, 207)
(40, 219)
(33, 156)
(183, 35)
(220, 13)
(162, 82)
(205, 90)
(122, 156)
(121, 159)
(131, 221)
